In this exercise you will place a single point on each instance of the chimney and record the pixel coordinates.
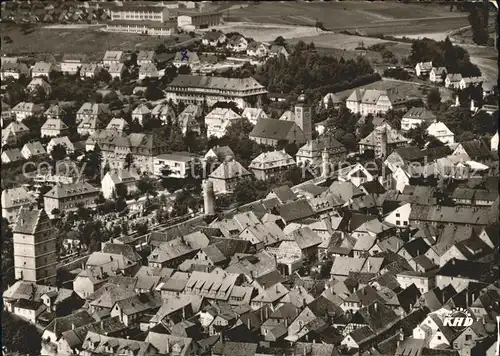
(167, 347)
(267, 311)
(72, 326)
(249, 322)
(375, 306)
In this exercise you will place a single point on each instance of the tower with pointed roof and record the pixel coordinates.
(303, 116)
(35, 256)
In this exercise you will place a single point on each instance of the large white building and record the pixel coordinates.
(416, 117)
(218, 120)
(270, 164)
(179, 164)
(440, 131)
(372, 101)
(140, 13)
(195, 89)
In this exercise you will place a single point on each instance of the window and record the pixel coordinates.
(398, 215)
(468, 337)
(439, 337)
(398, 222)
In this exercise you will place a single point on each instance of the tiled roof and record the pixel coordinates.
(65, 323)
(295, 210)
(393, 136)
(68, 190)
(54, 124)
(228, 170)
(220, 83)
(29, 220)
(17, 196)
(419, 113)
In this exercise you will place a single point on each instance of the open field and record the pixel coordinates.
(267, 32)
(365, 17)
(89, 41)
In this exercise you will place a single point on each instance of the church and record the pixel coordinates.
(292, 127)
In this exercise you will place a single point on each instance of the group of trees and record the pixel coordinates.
(316, 74)
(443, 53)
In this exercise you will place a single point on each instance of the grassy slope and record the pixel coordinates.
(90, 41)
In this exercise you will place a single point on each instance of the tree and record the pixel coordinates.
(19, 335)
(129, 160)
(184, 69)
(146, 186)
(153, 92)
(418, 135)
(367, 126)
(7, 253)
(58, 152)
(478, 19)
(393, 118)
(434, 99)
(92, 163)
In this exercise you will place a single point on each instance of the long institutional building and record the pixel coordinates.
(195, 89)
(158, 20)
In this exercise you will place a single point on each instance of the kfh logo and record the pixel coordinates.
(459, 319)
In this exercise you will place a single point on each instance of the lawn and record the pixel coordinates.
(90, 41)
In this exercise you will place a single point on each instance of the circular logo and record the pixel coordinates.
(459, 319)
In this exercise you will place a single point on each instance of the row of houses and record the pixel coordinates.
(450, 80)
(238, 44)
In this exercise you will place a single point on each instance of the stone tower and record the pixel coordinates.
(35, 256)
(303, 116)
(208, 197)
(325, 162)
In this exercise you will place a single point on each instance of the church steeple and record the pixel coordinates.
(303, 116)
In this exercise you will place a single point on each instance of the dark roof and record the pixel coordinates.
(213, 35)
(416, 247)
(273, 129)
(476, 149)
(410, 153)
(28, 304)
(373, 187)
(361, 334)
(284, 194)
(270, 279)
(376, 315)
(295, 210)
(122, 249)
(468, 269)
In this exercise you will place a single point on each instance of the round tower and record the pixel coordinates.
(208, 197)
(325, 162)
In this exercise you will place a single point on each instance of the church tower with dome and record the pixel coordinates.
(303, 116)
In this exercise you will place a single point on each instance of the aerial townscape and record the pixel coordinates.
(236, 178)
